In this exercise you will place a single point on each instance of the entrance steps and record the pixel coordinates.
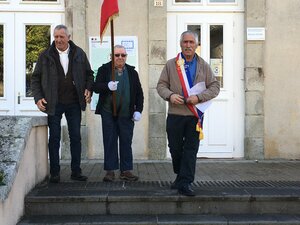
(153, 202)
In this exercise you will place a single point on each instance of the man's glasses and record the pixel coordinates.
(118, 55)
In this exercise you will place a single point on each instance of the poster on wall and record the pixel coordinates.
(217, 67)
(100, 54)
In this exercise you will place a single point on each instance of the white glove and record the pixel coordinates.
(136, 116)
(113, 85)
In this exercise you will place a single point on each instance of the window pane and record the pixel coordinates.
(216, 51)
(1, 62)
(196, 29)
(37, 40)
(187, 1)
(222, 1)
(39, 0)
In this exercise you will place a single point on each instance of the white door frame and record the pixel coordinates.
(25, 105)
(231, 97)
(15, 101)
(6, 102)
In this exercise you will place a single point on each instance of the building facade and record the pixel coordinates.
(251, 45)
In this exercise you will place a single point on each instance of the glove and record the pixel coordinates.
(113, 85)
(136, 116)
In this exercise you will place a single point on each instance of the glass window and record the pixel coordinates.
(1, 62)
(196, 29)
(39, 0)
(37, 40)
(216, 51)
(211, 1)
(187, 1)
(222, 1)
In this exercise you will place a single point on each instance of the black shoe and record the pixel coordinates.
(175, 185)
(54, 179)
(186, 190)
(78, 177)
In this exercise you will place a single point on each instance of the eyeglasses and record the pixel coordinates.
(118, 55)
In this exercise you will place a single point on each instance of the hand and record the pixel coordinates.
(41, 104)
(136, 116)
(177, 99)
(88, 96)
(193, 100)
(113, 85)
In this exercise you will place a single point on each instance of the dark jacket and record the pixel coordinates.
(136, 91)
(44, 80)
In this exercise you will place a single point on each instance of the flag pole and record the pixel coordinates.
(113, 66)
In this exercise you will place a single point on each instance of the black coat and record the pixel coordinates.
(44, 81)
(136, 91)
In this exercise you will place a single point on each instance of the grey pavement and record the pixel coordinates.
(240, 192)
(206, 170)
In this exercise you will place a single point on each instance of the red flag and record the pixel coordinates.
(109, 9)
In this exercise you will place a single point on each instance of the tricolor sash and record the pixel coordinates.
(186, 83)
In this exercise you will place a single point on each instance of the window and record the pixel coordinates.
(196, 29)
(216, 51)
(215, 48)
(205, 5)
(39, 0)
(187, 0)
(37, 40)
(1, 62)
(210, 1)
(222, 1)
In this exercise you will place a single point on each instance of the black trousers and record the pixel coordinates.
(183, 145)
(73, 116)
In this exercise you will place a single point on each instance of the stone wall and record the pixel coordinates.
(255, 13)
(24, 160)
(271, 81)
(157, 60)
(282, 101)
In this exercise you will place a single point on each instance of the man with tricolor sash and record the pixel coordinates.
(185, 120)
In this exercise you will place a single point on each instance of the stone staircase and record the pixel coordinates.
(153, 202)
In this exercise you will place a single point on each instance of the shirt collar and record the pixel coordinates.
(65, 51)
(193, 60)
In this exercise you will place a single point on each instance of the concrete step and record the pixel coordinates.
(156, 198)
(268, 219)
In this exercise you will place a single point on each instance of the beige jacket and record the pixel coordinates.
(169, 83)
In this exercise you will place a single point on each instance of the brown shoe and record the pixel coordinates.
(109, 177)
(128, 176)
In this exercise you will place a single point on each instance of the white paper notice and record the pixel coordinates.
(197, 89)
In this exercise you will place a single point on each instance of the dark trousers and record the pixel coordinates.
(113, 129)
(73, 115)
(183, 144)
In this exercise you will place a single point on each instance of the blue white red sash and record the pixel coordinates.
(186, 83)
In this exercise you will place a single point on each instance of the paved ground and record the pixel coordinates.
(227, 192)
(207, 170)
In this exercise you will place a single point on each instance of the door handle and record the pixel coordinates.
(19, 98)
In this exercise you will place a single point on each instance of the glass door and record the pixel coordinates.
(23, 36)
(220, 43)
(6, 63)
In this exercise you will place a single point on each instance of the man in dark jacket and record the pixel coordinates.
(118, 118)
(61, 84)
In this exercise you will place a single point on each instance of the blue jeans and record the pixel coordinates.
(183, 144)
(113, 129)
(73, 115)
